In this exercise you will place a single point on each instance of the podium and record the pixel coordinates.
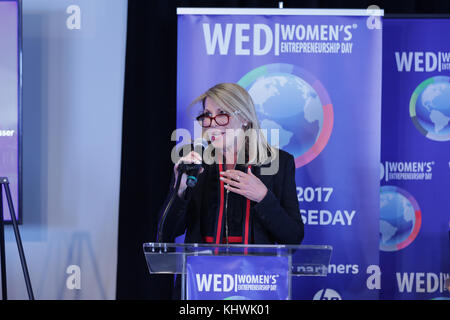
(237, 271)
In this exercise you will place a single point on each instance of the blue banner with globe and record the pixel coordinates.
(415, 161)
(316, 79)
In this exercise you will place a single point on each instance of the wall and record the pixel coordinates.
(73, 78)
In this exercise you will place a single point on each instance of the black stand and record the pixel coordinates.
(189, 169)
(167, 207)
(5, 183)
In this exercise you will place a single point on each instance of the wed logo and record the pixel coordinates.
(237, 282)
(407, 170)
(261, 39)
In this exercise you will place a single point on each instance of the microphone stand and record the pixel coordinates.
(5, 184)
(189, 169)
(168, 206)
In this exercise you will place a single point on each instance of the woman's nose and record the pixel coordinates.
(213, 122)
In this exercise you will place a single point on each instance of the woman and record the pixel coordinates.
(235, 200)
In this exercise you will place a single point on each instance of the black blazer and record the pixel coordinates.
(275, 219)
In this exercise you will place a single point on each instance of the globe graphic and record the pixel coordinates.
(289, 104)
(397, 219)
(431, 103)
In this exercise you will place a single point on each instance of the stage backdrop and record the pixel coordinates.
(415, 159)
(315, 75)
(73, 61)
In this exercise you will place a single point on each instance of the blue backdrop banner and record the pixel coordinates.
(315, 77)
(415, 161)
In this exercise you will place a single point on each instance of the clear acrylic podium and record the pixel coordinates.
(302, 260)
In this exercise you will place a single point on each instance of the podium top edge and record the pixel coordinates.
(281, 12)
(250, 246)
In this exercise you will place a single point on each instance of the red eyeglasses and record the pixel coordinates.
(221, 119)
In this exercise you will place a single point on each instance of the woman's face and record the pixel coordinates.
(221, 137)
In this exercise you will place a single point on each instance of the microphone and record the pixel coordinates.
(193, 169)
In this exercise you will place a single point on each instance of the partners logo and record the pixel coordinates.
(294, 103)
(406, 170)
(429, 108)
(327, 294)
(400, 218)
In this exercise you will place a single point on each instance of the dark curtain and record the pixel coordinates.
(149, 117)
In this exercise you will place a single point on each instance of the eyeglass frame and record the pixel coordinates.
(214, 118)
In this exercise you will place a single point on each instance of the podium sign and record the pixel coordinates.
(237, 278)
(237, 271)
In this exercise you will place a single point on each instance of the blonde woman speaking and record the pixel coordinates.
(245, 192)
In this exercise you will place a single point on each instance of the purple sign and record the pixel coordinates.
(315, 80)
(237, 278)
(9, 100)
(415, 163)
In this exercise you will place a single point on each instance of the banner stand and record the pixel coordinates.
(314, 76)
(4, 183)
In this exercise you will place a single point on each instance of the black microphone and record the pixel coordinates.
(193, 169)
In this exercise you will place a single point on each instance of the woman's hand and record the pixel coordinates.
(245, 184)
(192, 157)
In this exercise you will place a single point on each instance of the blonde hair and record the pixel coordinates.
(235, 100)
